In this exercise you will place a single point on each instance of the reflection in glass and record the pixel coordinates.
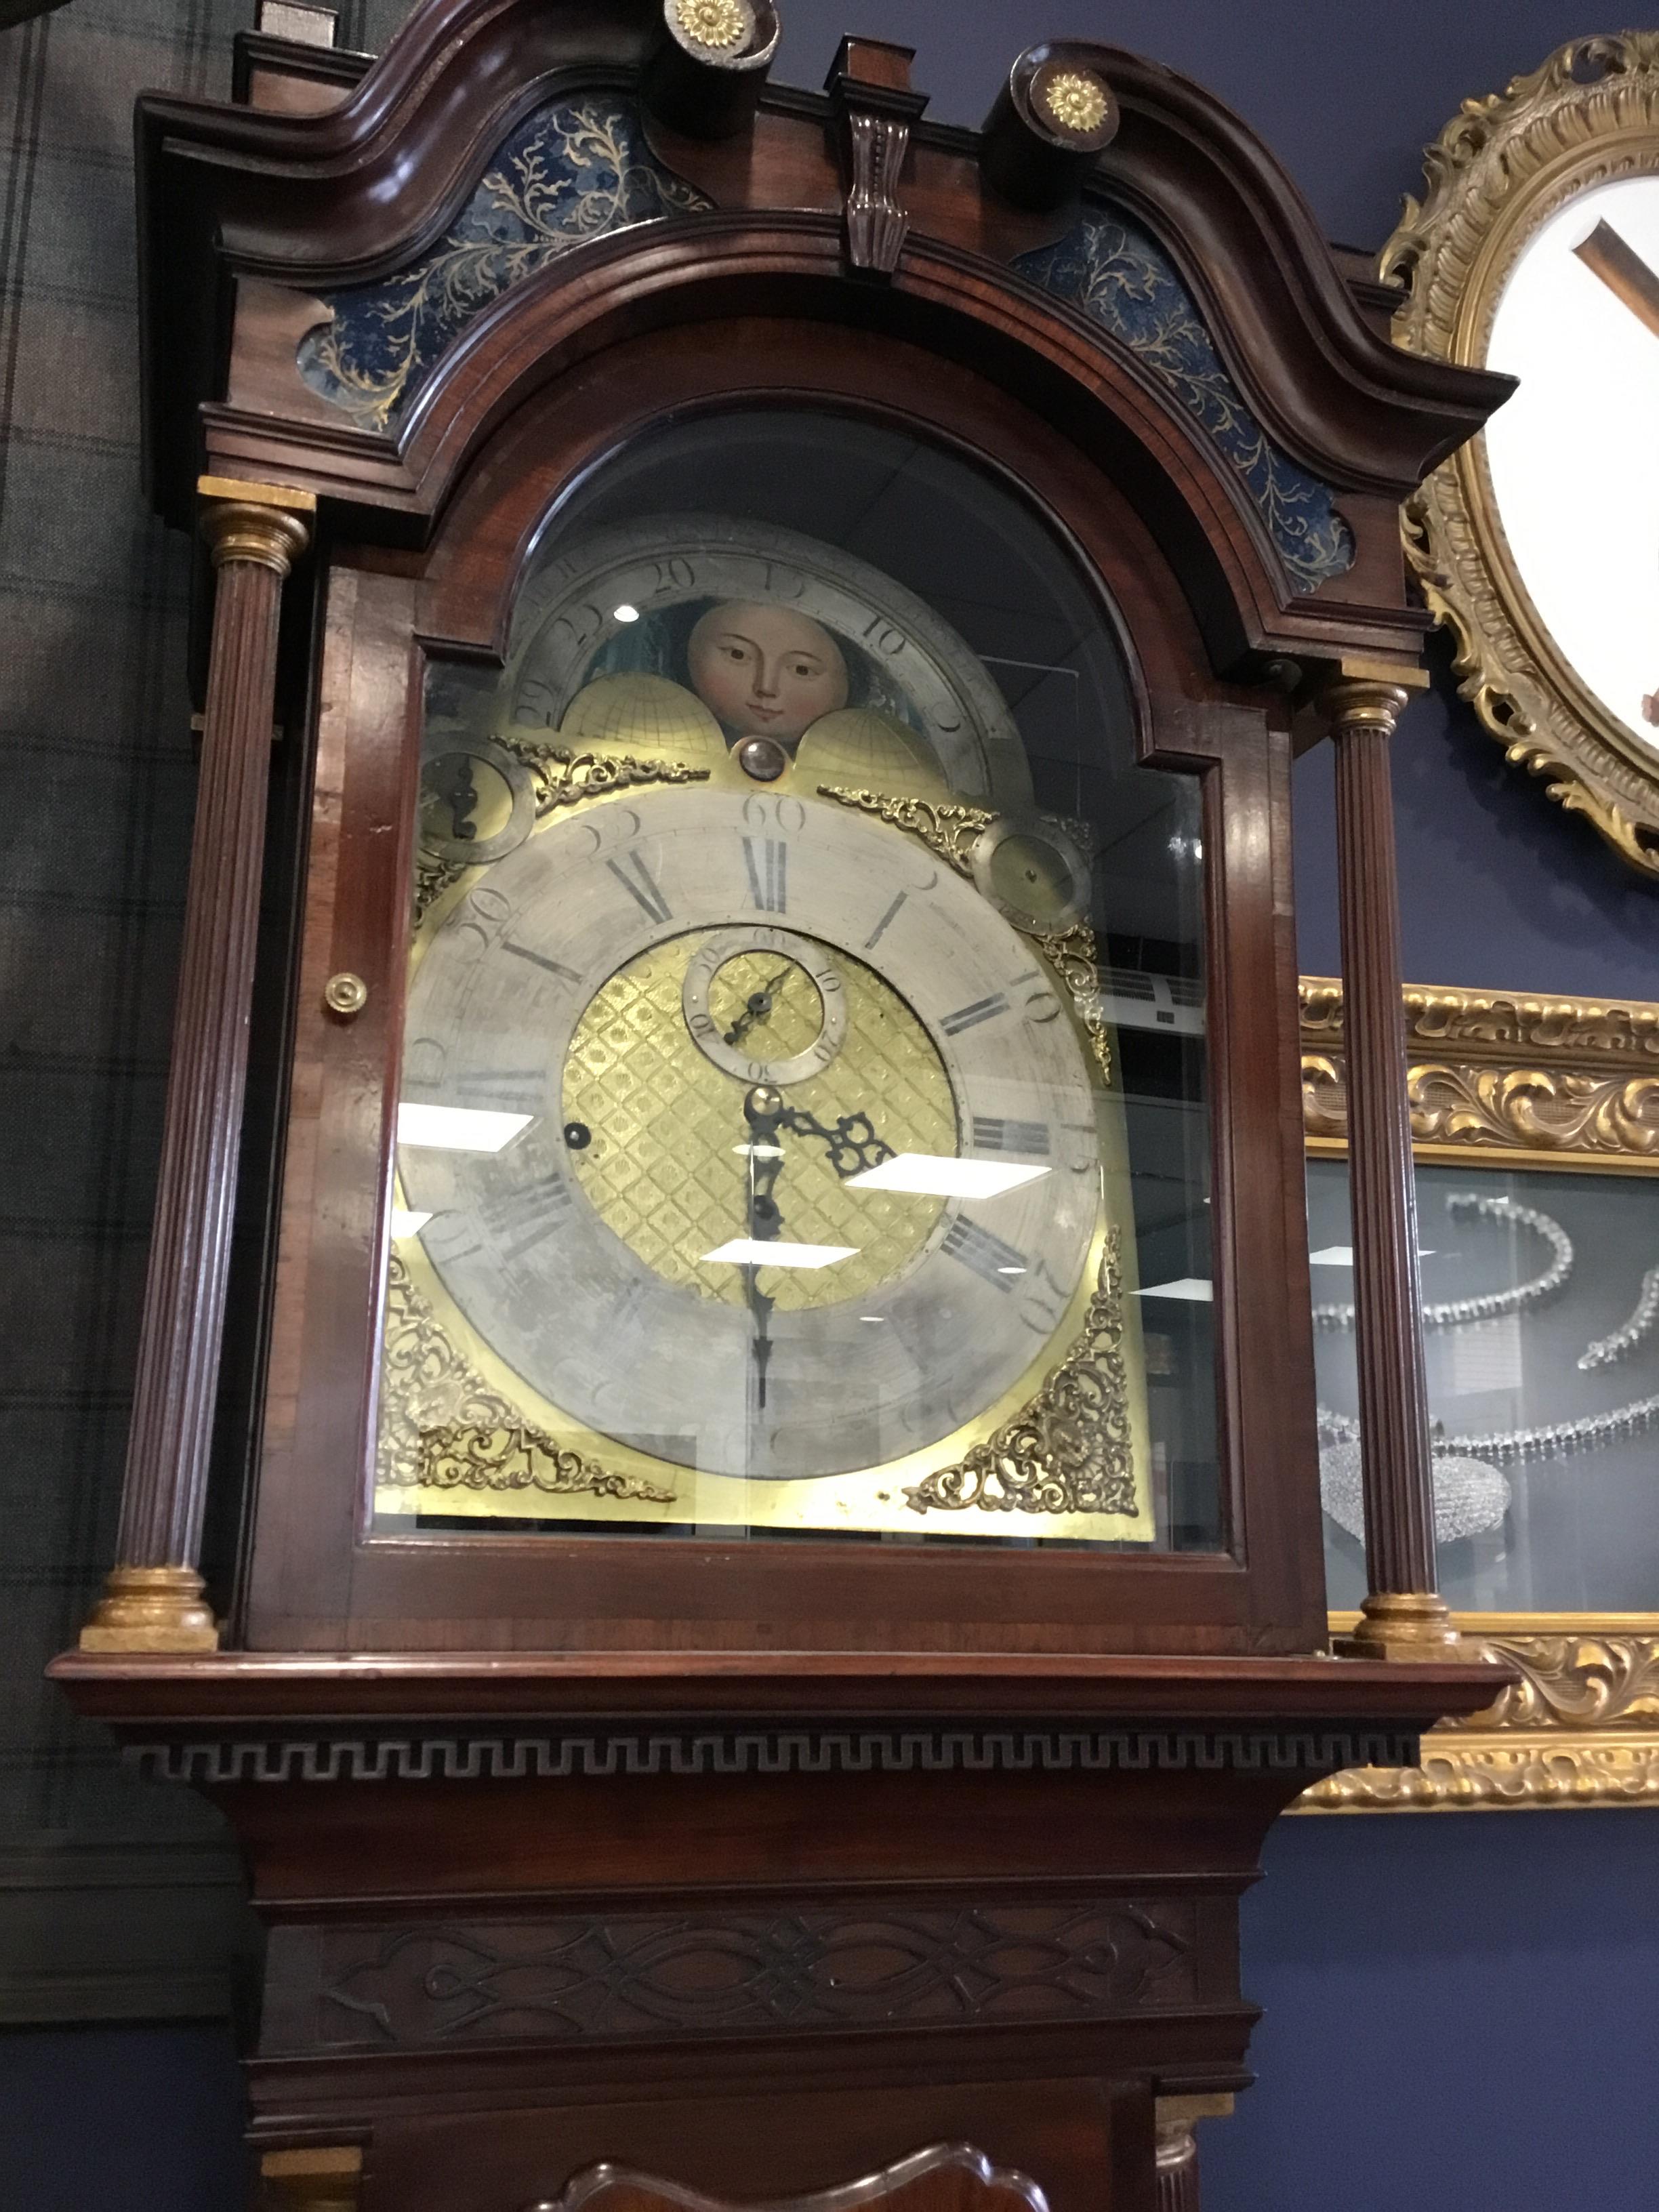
(803, 1094)
(1541, 1331)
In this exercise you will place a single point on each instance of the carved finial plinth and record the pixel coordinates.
(704, 77)
(870, 87)
(1055, 115)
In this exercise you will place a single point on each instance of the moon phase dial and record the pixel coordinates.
(765, 1006)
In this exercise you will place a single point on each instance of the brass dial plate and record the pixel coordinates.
(963, 1044)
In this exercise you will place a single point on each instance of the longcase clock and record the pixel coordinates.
(723, 1482)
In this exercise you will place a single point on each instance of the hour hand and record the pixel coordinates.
(851, 1141)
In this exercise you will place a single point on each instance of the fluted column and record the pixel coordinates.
(154, 1598)
(1178, 2146)
(1177, 2169)
(1403, 1615)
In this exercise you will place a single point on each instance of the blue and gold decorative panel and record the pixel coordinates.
(1121, 278)
(571, 171)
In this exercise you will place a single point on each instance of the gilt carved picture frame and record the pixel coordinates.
(1536, 1128)
(1534, 250)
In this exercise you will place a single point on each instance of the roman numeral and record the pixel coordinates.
(636, 880)
(520, 1218)
(993, 1135)
(540, 960)
(981, 1010)
(767, 862)
(994, 1262)
(880, 929)
(508, 1090)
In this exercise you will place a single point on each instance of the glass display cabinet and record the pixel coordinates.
(1535, 1122)
(725, 1472)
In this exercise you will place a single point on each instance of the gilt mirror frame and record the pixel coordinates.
(1506, 1080)
(1499, 171)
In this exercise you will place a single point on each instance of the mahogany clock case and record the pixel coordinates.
(762, 1864)
(318, 1576)
(768, 296)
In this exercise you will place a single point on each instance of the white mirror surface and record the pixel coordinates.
(1574, 455)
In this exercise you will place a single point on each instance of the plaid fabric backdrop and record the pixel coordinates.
(95, 827)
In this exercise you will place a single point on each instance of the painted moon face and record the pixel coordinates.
(583, 603)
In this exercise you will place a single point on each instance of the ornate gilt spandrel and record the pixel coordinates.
(1531, 1082)
(1071, 1449)
(1553, 182)
(445, 1429)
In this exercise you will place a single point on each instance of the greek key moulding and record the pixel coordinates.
(1535, 250)
(1535, 1124)
(748, 1392)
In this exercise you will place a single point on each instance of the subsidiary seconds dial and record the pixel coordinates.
(779, 1004)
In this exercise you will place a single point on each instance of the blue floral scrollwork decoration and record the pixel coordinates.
(1121, 278)
(570, 172)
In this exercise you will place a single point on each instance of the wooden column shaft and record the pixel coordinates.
(154, 1597)
(1403, 1606)
(1178, 2146)
(1177, 2169)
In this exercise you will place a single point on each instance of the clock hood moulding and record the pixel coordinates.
(311, 203)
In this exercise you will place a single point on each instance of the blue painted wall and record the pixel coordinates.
(122, 2119)
(1463, 2015)
(1461, 2012)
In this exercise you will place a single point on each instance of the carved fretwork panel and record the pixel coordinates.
(608, 1978)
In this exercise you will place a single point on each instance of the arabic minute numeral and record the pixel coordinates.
(450, 1239)
(882, 636)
